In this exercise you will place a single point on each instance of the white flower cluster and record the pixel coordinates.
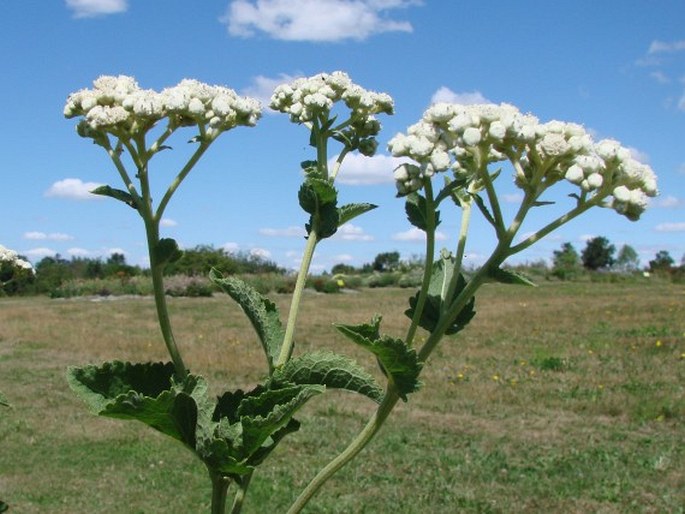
(118, 105)
(10, 256)
(465, 138)
(303, 98)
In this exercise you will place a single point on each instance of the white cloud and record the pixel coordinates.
(668, 202)
(292, 231)
(671, 227)
(660, 77)
(359, 170)
(260, 252)
(263, 87)
(42, 236)
(91, 8)
(445, 94)
(230, 247)
(660, 47)
(39, 253)
(343, 257)
(512, 197)
(314, 20)
(78, 252)
(638, 155)
(168, 222)
(415, 234)
(73, 188)
(350, 232)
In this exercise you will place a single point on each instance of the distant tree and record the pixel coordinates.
(386, 261)
(344, 269)
(627, 259)
(566, 262)
(598, 254)
(662, 262)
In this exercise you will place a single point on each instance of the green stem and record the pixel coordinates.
(219, 493)
(338, 163)
(240, 494)
(287, 346)
(428, 263)
(356, 446)
(180, 177)
(156, 270)
(461, 246)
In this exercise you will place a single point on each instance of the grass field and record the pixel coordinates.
(567, 398)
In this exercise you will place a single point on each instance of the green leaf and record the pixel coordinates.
(262, 313)
(117, 194)
(144, 392)
(319, 198)
(451, 190)
(436, 302)
(3, 401)
(331, 370)
(352, 210)
(166, 251)
(398, 361)
(270, 411)
(417, 211)
(507, 276)
(484, 209)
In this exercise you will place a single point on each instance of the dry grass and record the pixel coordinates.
(564, 398)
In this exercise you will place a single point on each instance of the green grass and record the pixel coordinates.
(565, 398)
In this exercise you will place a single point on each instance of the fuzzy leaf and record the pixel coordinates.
(442, 273)
(262, 313)
(117, 194)
(416, 210)
(451, 190)
(144, 392)
(267, 413)
(484, 209)
(319, 198)
(3, 401)
(352, 210)
(397, 360)
(331, 370)
(507, 276)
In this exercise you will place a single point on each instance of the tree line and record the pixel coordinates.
(50, 273)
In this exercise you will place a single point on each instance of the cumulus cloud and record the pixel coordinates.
(92, 8)
(292, 231)
(350, 232)
(314, 20)
(417, 235)
(74, 189)
(669, 202)
(262, 253)
(512, 197)
(42, 236)
(660, 47)
(671, 227)
(639, 155)
(359, 170)
(445, 94)
(78, 252)
(230, 247)
(263, 87)
(39, 253)
(168, 222)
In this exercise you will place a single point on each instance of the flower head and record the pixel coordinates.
(303, 98)
(119, 106)
(466, 138)
(12, 257)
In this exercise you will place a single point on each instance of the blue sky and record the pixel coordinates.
(616, 67)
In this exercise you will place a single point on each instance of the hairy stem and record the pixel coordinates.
(427, 265)
(357, 445)
(219, 492)
(287, 346)
(240, 494)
